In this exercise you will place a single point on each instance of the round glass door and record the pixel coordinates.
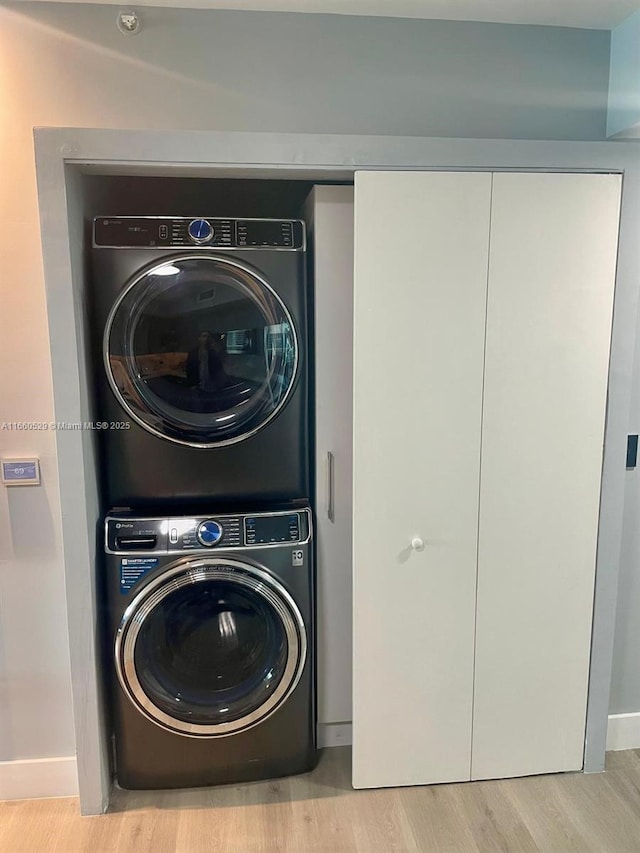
(211, 649)
(200, 350)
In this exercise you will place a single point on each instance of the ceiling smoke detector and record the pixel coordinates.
(128, 22)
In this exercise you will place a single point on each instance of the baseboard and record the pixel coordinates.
(623, 731)
(334, 734)
(33, 778)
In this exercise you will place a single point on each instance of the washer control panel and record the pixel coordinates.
(173, 232)
(179, 534)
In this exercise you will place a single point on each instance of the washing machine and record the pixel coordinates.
(210, 651)
(201, 355)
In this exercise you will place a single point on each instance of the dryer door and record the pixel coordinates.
(210, 648)
(200, 350)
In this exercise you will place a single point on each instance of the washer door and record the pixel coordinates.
(210, 648)
(200, 350)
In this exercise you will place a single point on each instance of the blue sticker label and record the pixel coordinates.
(133, 568)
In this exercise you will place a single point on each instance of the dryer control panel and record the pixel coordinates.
(202, 232)
(180, 534)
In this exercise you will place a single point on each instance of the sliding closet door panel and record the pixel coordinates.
(551, 282)
(421, 253)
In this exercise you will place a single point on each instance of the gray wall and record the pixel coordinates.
(624, 79)
(324, 73)
(625, 679)
(67, 65)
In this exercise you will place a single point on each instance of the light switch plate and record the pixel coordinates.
(21, 472)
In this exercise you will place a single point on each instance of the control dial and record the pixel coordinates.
(209, 532)
(200, 231)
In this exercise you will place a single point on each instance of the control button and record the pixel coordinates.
(163, 232)
(209, 532)
(200, 231)
(173, 535)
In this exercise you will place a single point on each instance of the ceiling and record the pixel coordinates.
(589, 14)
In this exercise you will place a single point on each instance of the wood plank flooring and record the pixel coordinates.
(321, 812)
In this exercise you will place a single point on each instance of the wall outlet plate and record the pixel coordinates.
(21, 472)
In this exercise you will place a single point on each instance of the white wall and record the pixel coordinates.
(68, 65)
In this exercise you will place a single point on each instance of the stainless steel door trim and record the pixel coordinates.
(185, 573)
(148, 270)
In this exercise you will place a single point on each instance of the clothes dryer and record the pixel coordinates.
(210, 651)
(201, 355)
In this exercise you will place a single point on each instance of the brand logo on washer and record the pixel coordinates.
(297, 558)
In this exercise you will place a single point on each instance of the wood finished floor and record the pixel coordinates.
(321, 812)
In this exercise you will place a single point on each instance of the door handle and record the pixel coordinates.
(330, 487)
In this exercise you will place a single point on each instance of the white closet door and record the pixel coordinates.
(421, 252)
(551, 281)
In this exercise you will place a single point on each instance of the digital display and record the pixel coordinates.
(273, 528)
(264, 233)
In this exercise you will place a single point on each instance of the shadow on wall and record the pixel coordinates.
(6, 727)
(30, 525)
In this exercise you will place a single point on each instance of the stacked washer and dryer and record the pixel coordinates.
(201, 335)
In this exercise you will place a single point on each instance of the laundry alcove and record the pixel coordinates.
(65, 155)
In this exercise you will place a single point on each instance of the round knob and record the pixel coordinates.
(417, 543)
(209, 532)
(200, 231)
